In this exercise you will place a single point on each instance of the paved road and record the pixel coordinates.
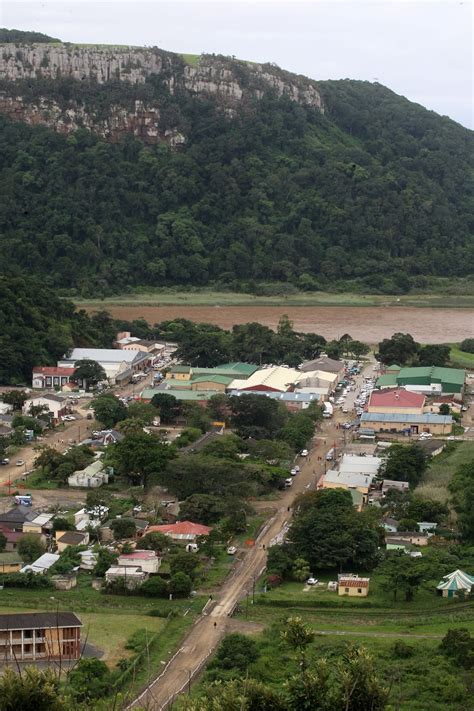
(206, 633)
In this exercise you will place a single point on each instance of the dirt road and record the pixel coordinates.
(215, 621)
(206, 633)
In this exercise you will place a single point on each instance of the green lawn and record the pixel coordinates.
(460, 358)
(442, 468)
(191, 59)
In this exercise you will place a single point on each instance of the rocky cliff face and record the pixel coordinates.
(230, 81)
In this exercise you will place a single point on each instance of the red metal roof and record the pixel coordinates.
(53, 370)
(181, 528)
(398, 397)
(354, 582)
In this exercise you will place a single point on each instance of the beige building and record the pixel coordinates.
(407, 424)
(353, 586)
(398, 401)
(64, 539)
(31, 636)
(10, 563)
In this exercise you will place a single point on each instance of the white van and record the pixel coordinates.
(330, 455)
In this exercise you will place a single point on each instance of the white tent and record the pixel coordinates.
(455, 582)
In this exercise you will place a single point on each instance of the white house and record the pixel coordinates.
(116, 363)
(41, 564)
(91, 477)
(148, 561)
(51, 377)
(57, 404)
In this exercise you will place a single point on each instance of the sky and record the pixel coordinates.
(422, 49)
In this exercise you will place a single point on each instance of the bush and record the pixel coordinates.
(402, 650)
(180, 585)
(89, 680)
(154, 587)
(236, 651)
(274, 580)
(467, 345)
(26, 580)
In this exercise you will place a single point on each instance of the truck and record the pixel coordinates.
(328, 409)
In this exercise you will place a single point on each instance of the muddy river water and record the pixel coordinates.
(369, 324)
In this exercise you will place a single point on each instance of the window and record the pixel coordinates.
(27, 634)
(346, 590)
(27, 649)
(359, 590)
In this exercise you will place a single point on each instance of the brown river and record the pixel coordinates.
(366, 323)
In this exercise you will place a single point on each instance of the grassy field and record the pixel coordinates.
(215, 298)
(460, 358)
(442, 468)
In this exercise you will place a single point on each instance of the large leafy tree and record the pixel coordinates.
(256, 416)
(329, 533)
(405, 463)
(109, 410)
(89, 370)
(400, 349)
(139, 455)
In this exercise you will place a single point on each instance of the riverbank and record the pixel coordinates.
(172, 297)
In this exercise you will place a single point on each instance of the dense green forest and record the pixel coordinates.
(37, 327)
(376, 193)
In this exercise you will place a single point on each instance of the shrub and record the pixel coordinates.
(180, 585)
(274, 580)
(154, 587)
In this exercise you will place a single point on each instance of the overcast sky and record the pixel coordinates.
(419, 48)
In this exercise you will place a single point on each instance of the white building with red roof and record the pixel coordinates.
(48, 377)
(181, 531)
(148, 561)
(397, 401)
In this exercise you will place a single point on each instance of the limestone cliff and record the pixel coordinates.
(28, 72)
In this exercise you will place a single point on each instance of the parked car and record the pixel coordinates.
(312, 581)
(5, 461)
(293, 472)
(232, 550)
(19, 462)
(304, 453)
(425, 435)
(296, 468)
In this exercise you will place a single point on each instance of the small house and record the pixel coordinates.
(352, 585)
(455, 583)
(10, 563)
(427, 526)
(42, 564)
(91, 477)
(148, 561)
(88, 560)
(64, 539)
(413, 537)
(132, 575)
(184, 531)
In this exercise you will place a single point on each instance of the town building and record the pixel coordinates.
(182, 531)
(352, 585)
(430, 380)
(88, 560)
(398, 400)
(148, 561)
(393, 485)
(57, 405)
(328, 365)
(455, 584)
(413, 537)
(293, 401)
(47, 377)
(119, 365)
(31, 636)
(41, 524)
(14, 518)
(407, 424)
(354, 472)
(91, 477)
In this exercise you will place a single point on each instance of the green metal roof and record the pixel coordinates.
(394, 367)
(449, 375)
(222, 379)
(387, 380)
(180, 369)
(239, 368)
(188, 395)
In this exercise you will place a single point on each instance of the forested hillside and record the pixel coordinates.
(376, 193)
(37, 328)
